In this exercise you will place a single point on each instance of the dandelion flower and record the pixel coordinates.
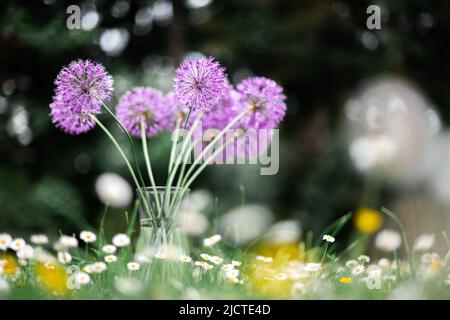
(264, 100)
(5, 241)
(346, 280)
(88, 236)
(110, 258)
(142, 105)
(328, 238)
(200, 83)
(17, 244)
(208, 242)
(388, 240)
(133, 266)
(39, 239)
(82, 278)
(80, 88)
(64, 257)
(424, 242)
(68, 241)
(357, 270)
(185, 259)
(109, 249)
(368, 220)
(121, 240)
(98, 267)
(27, 252)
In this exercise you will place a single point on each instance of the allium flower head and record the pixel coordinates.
(264, 99)
(176, 111)
(142, 105)
(200, 83)
(80, 88)
(82, 84)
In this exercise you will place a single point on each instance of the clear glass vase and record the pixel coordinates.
(160, 241)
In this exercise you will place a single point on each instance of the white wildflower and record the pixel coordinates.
(39, 239)
(64, 257)
(185, 259)
(351, 264)
(363, 259)
(424, 242)
(216, 260)
(5, 241)
(121, 240)
(88, 236)
(26, 252)
(98, 267)
(208, 242)
(384, 263)
(82, 278)
(388, 240)
(358, 269)
(109, 249)
(133, 266)
(17, 244)
(68, 241)
(328, 238)
(110, 258)
(236, 263)
(313, 267)
(113, 190)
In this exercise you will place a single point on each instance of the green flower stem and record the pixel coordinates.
(130, 168)
(211, 144)
(184, 146)
(148, 164)
(174, 144)
(130, 139)
(394, 217)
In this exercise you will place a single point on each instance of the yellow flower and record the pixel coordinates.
(53, 278)
(368, 220)
(345, 280)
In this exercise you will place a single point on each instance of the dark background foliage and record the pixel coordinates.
(320, 51)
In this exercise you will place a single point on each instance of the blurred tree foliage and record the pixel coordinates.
(318, 50)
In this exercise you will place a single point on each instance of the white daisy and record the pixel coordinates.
(17, 244)
(88, 268)
(328, 238)
(88, 236)
(68, 241)
(26, 252)
(109, 249)
(98, 267)
(121, 240)
(358, 269)
(5, 241)
(185, 259)
(82, 278)
(208, 242)
(110, 258)
(232, 274)
(39, 239)
(205, 256)
(133, 266)
(384, 263)
(228, 267)
(364, 259)
(64, 257)
(216, 260)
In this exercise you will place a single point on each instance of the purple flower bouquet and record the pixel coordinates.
(202, 98)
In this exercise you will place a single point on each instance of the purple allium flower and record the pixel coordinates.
(81, 84)
(223, 112)
(200, 83)
(142, 104)
(176, 111)
(264, 99)
(71, 122)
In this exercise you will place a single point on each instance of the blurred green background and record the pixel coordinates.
(319, 51)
